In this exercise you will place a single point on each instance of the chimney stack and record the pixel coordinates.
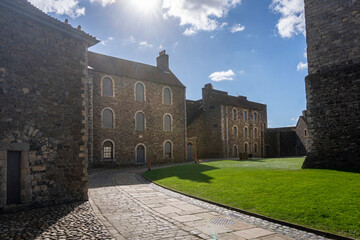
(162, 60)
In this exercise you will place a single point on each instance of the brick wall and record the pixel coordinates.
(124, 106)
(43, 106)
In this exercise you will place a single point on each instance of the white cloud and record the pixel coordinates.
(241, 72)
(103, 2)
(292, 20)
(145, 44)
(211, 37)
(104, 42)
(305, 53)
(60, 7)
(221, 76)
(302, 66)
(198, 15)
(237, 28)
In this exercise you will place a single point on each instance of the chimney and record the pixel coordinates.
(206, 91)
(162, 60)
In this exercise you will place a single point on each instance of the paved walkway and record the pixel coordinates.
(131, 208)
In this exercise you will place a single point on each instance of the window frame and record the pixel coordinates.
(163, 95)
(136, 83)
(113, 150)
(102, 86)
(234, 114)
(140, 144)
(171, 150)
(136, 121)
(102, 118)
(171, 122)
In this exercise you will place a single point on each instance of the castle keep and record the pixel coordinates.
(333, 83)
(43, 120)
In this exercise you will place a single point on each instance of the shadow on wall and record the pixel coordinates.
(193, 173)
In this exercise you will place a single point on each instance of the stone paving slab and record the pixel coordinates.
(131, 208)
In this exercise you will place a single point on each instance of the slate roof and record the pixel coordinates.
(240, 101)
(135, 70)
(25, 8)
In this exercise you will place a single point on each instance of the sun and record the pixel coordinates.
(144, 6)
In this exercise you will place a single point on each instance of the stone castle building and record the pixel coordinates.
(288, 141)
(43, 105)
(220, 125)
(333, 83)
(137, 112)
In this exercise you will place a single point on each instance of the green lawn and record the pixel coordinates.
(328, 200)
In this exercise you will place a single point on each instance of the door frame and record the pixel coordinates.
(145, 160)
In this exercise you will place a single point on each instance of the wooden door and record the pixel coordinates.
(13, 178)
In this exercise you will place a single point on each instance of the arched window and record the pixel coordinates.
(245, 116)
(255, 117)
(167, 96)
(246, 147)
(255, 147)
(108, 150)
(255, 133)
(107, 118)
(235, 131)
(167, 122)
(140, 154)
(139, 92)
(140, 121)
(168, 149)
(245, 132)
(235, 151)
(107, 87)
(234, 112)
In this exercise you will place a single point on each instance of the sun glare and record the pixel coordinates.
(144, 5)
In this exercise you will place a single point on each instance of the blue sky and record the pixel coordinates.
(254, 48)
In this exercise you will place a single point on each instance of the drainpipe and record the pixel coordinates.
(226, 133)
(185, 127)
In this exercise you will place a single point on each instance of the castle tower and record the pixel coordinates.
(333, 83)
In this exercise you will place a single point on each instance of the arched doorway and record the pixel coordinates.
(140, 154)
(235, 151)
(190, 152)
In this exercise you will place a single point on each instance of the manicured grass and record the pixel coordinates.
(328, 200)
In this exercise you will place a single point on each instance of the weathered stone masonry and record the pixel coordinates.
(125, 138)
(43, 67)
(333, 83)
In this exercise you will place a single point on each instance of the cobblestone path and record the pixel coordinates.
(132, 208)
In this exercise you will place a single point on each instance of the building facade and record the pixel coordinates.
(43, 105)
(136, 112)
(221, 125)
(333, 83)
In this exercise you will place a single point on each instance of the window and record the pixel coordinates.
(245, 132)
(246, 147)
(305, 132)
(108, 149)
(255, 147)
(235, 131)
(107, 87)
(167, 122)
(167, 96)
(234, 114)
(245, 116)
(140, 121)
(215, 126)
(168, 149)
(107, 118)
(255, 117)
(140, 92)
(235, 151)
(255, 133)
(212, 107)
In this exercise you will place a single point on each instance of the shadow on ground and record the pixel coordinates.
(192, 172)
(30, 224)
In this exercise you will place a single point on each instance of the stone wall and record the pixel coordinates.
(281, 142)
(332, 86)
(42, 109)
(332, 33)
(124, 106)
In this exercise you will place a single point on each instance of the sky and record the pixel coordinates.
(253, 48)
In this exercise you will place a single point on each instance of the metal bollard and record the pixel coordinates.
(149, 164)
